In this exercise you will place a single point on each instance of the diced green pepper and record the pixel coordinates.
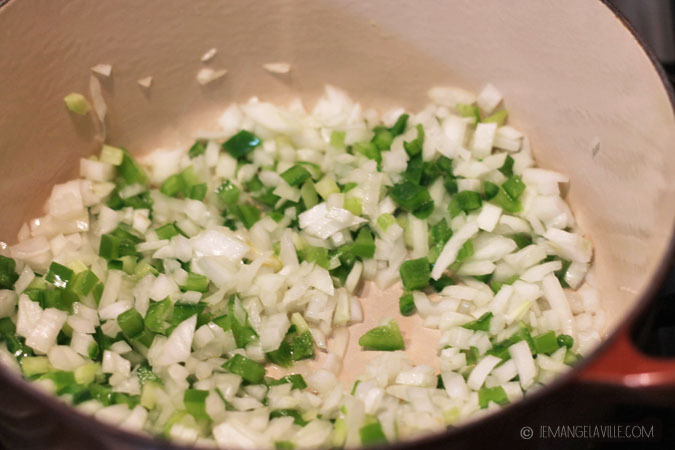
(302, 346)
(196, 282)
(246, 368)
(565, 340)
(443, 282)
(514, 186)
(35, 365)
(507, 168)
(87, 373)
(440, 233)
(522, 239)
(498, 117)
(167, 231)
(145, 374)
(242, 331)
(415, 273)
(501, 349)
(194, 401)
(8, 275)
(450, 184)
(546, 343)
(480, 324)
(415, 146)
(241, 144)
(472, 354)
(571, 357)
(560, 273)
(369, 150)
(406, 304)
(77, 103)
(504, 201)
(354, 205)
(254, 184)
(385, 220)
(484, 278)
(62, 380)
(112, 247)
(382, 139)
(364, 244)
(430, 172)
(59, 299)
(223, 322)
(399, 127)
(183, 311)
(466, 251)
(138, 201)
(283, 356)
(247, 214)
(269, 198)
(172, 186)
(490, 190)
(308, 194)
(127, 264)
(143, 268)
(337, 139)
(445, 164)
(228, 193)
(130, 171)
(198, 192)
(294, 413)
(371, 433)
(295, 175)
(284, 445)
(414, 169)
(84, 282)
(59, 275)
(326, 186)
(15, 344)
(386, 338)
(111, 155)
(465, 110)
(318, 255)
(131, 322)
(412, 197)
(348, 187)
(158, 315)
(296, 380)
(494, 394)
(467, 200)
(198, 148)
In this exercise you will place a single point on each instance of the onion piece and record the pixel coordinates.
(522, 358)
(145, 82)
(102, 69)
(451, 249)
(208, 75)
(209, 54)
(278, 68)
(177, 347)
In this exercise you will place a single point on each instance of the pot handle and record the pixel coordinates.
(623, 365)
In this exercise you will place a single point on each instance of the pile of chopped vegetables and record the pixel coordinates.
(155, 294)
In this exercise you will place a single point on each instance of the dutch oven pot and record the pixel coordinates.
(574, 77)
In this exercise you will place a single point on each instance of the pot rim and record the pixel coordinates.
(70, 414)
